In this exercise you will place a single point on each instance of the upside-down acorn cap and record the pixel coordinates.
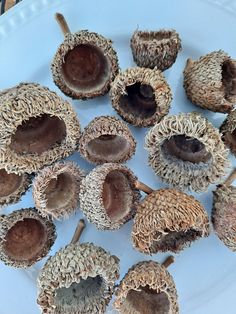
(210, 82)
(186, 151)
(78, 279)
(107, 139)
(25, 237)
(37, 128)
(108, 196)
(141, 96)
(228, 130)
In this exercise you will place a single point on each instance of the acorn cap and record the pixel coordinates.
(37, 128)
(56, 189)
(108, 196)
(107, 139)
(210, 82)
(25, 237)
(78, 279)
(228, 129)
(147, 288)
(186, 151)
(156, 48)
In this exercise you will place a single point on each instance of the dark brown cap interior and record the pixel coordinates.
(9, 183)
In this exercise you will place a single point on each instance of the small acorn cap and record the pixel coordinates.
(108, 196)
(85, 64)
(107, 139)
(210, 81)
(228, 130)
(186, 151)
(25, 237)
(155, 48)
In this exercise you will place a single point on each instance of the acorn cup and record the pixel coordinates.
(78, 279)
(85, 64)
(228, 130)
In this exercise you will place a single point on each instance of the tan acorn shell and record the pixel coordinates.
(227, 129)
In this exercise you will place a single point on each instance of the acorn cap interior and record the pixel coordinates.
(9, 183)
(229, 79)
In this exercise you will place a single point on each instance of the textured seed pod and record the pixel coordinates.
(147, 288)
(156, 48)
(210, 82)
(78, 279)
(25, 237)
(168, 220)
(228, 129)
(141, 96)
(37, 128)
(186, 151)
(108, 196)
(107, 139)
(56, 189)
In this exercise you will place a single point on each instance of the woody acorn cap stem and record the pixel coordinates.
(62, 23)
(79, 229)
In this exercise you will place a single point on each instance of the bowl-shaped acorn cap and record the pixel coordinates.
(147, 288)
(210, 82)
(78, 279)
(107, 139)
(37, 128)
(186, 151)
(228, 129)
(25, 237)
(168, 220)
(141, 96)
(108, 196)
(156, 48)
(56, 189)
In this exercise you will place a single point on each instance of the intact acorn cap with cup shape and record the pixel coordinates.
(228, 130)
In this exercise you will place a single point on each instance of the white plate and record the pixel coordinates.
(205, 274)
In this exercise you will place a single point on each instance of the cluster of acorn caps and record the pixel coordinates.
(38, 129)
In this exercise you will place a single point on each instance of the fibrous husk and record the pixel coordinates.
(107, 139)
(210, 82)
(79, 279)
(108, 196)
(228, 130)
(141, 96)
(147, 288)
(168, 220)
(25, 237)
(37, 128)
(186, 151)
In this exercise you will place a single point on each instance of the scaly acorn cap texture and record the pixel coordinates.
(141, 96)
(186, 151)
(147, 288)
(107, 139)
(84, 65)
(78, 279)
(228, 131)
(56, 189)
(210, 82)
(25, 237)
(108, 196)
(156, 48)
(168, 220)
(37, 128)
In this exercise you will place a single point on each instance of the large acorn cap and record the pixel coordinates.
(85, 64)
(156, 48)
(37, 127)
(107, 139)
(108, 196)
(25, 237)
(186, 151)
(210, 82)
(56, 189)
(228, 129)
(141, 96)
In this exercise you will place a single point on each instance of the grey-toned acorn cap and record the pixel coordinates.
(107, 139)
(210, 82)
(141, 96)
(228, 130)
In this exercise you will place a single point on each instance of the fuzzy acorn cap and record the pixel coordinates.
(147, 288)
(228, 130)
(186, 151)
(78, 279)
(156, 48)
(56, 189)
(37, 128)
(25, 237)
(108, 196)
(107, 139)
(210, 82)
(141, 96)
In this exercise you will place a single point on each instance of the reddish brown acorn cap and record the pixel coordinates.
(228, 130)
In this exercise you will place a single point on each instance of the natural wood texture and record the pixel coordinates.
(80, 227)
(170, 260)
(143, 187)
(230, 178)
(62, 23)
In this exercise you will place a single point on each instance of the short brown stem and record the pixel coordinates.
(230, 178)
(189, 64)
(170, 260)
(143, 187)
(62, 23)
(79, 229)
